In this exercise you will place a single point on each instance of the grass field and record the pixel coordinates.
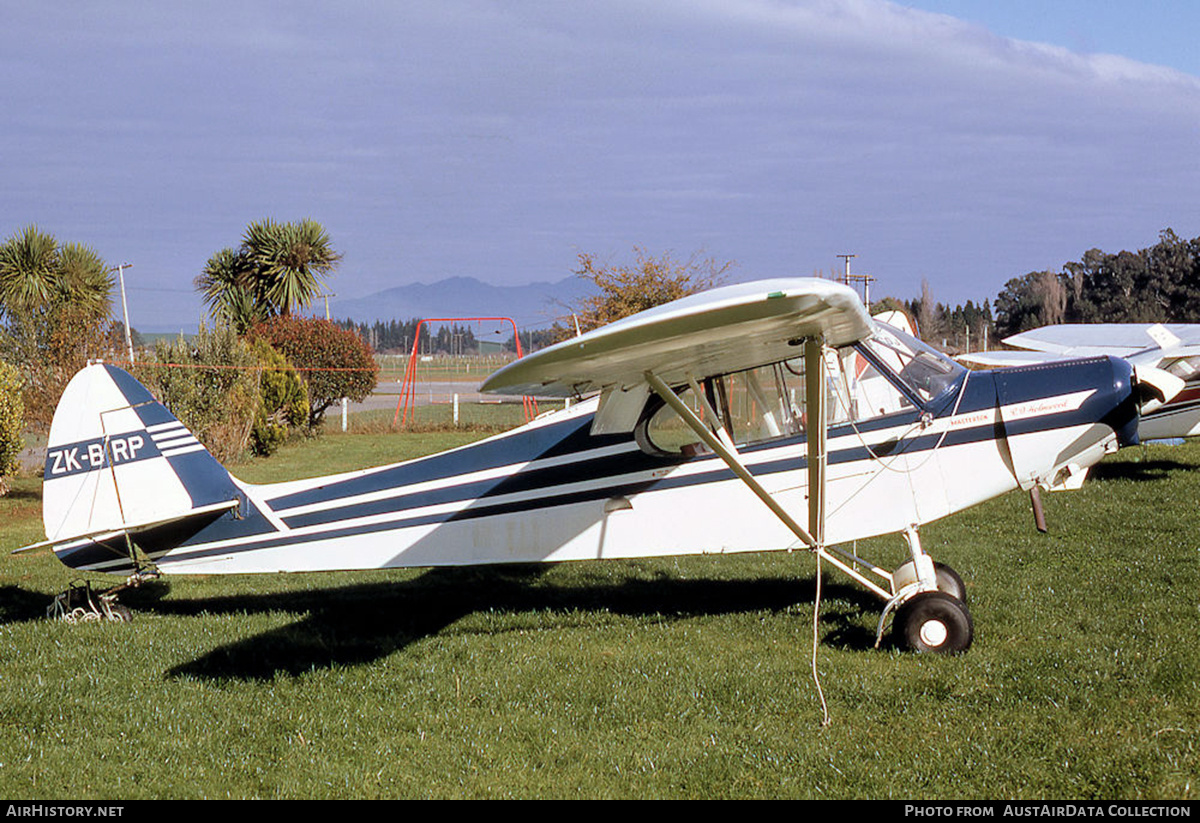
(459, 368)
(675, 678)
(480, 418)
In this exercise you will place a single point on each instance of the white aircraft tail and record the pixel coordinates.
(898, 320)
(118, 462)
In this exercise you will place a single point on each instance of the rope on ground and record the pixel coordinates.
(815, 645)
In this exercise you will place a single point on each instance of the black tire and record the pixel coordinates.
(935, 622)
(949, 582)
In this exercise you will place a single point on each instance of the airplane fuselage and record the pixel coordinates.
(551, 491)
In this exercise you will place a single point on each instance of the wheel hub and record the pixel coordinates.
(934, 633)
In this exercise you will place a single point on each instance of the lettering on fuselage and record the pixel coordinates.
(93, 455)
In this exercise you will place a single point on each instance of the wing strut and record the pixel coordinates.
(722, 445)
(817, 425)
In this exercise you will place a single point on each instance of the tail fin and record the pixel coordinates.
(118, 462)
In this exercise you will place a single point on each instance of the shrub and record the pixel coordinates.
(334, 362)
(211, 383)
(12, 422)
(283, 402)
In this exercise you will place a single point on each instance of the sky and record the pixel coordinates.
(951, 142)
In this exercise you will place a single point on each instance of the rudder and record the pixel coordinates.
(118, 461)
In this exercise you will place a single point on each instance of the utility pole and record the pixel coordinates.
(850, 279)
(846, 259)
(345, 400)
(125, 308)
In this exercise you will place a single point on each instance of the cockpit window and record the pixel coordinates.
(861, 391)
(768, 402)
(753, 405)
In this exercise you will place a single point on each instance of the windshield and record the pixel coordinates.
(924, 371)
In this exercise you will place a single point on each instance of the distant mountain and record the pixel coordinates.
(535, 305)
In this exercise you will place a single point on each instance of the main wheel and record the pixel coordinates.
(948, 580)
(934, 622)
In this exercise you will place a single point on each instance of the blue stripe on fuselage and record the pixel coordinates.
(569, 437)
(605, 471)
(521, 446)
(978, 394)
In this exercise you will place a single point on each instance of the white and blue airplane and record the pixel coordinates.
(773, 415)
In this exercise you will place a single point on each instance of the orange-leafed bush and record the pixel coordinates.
(334, 362)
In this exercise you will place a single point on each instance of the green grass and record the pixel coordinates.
(673, 678)
(480, 418)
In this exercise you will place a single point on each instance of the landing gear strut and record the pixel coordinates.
(930, 602)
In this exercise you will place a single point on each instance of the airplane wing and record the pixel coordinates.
(715, 332)
(1117, 339)
(1182, 361)
(1155, 344)
(1174, 347)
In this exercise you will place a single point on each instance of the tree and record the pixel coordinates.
(283, 405)
(628, 289)
(55, 301)
(1039, 298)
(1156, 284)
(84, 279)
(37, 274)
(29, 264)
(930, 316)
(333, 362)
(1115, 288)
(49, 348)
(277, 268)
(888, 303)
(227, 287)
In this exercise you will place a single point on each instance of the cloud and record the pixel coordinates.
(500, 139)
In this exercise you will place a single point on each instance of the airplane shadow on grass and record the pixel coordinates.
(18, 605)
(360, 624)
(1157, 469)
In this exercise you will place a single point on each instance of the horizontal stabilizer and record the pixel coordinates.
(204, 513)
